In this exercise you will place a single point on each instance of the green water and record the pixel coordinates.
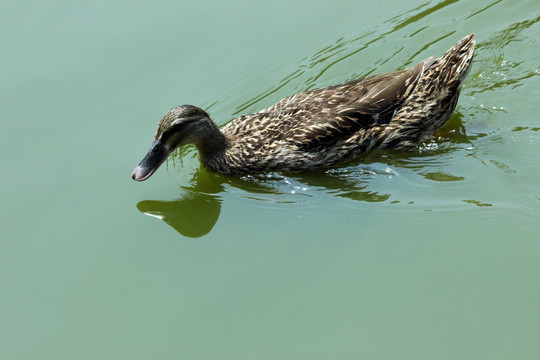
(432, 254)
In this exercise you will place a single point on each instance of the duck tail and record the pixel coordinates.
(457, 61)
(434, 100)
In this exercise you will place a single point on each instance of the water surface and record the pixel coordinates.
(427, 254)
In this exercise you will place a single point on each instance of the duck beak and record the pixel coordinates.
(151, 162)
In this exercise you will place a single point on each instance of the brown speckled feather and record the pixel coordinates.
(324, 115)
(321, 128)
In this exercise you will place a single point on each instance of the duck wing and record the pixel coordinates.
(325, 116)
(322, 117)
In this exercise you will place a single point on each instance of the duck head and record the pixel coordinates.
(182, 125)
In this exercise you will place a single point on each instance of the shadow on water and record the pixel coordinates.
(197, 210)
(193, 215)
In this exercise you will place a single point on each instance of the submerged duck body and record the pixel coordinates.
(321, 128)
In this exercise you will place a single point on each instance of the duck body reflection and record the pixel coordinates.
(196, 210)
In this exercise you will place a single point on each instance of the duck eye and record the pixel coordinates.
(155, 149)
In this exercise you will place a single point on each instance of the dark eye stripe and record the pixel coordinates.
(174, 129)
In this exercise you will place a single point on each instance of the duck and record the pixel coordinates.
(321, 128)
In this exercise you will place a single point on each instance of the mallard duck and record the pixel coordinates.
(319, 129)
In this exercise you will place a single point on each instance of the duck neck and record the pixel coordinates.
(212, 145)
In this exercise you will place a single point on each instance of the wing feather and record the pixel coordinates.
(324, 116)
